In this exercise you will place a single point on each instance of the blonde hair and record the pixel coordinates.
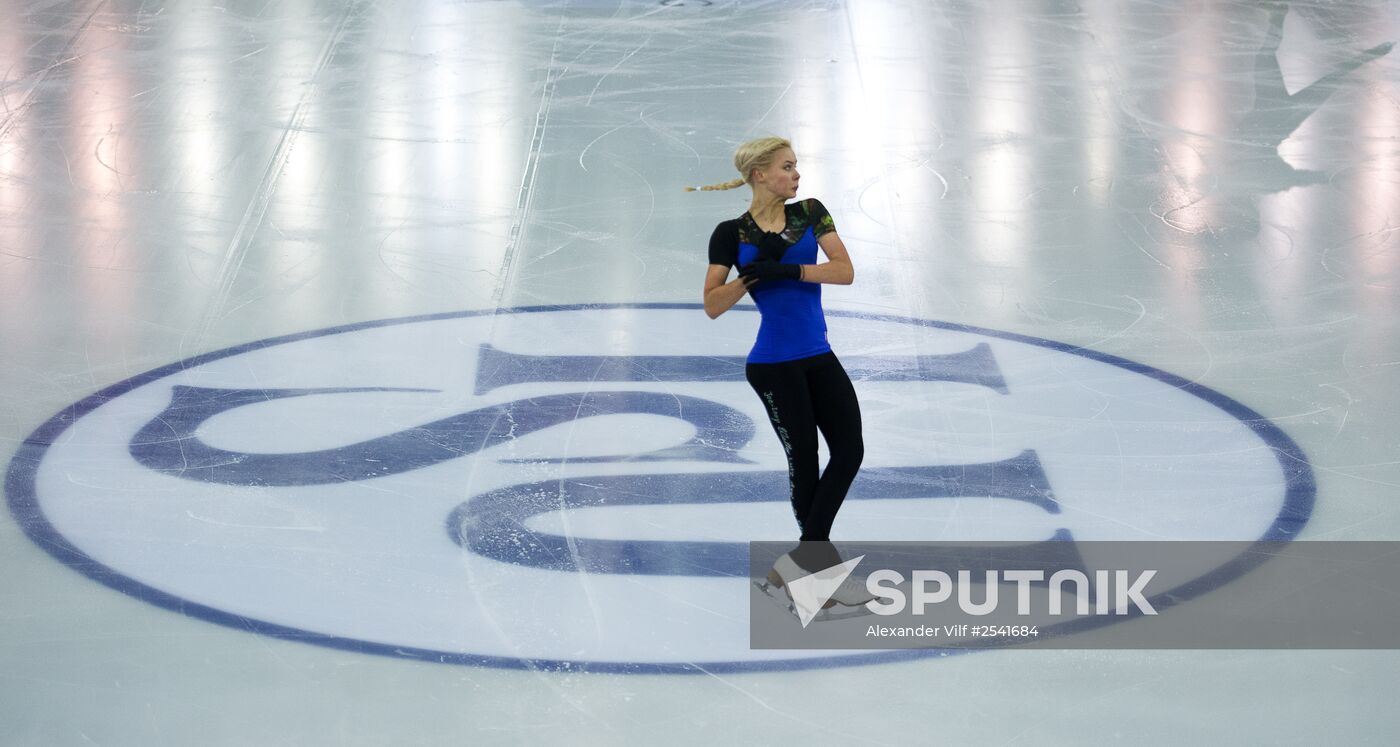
(755, 154)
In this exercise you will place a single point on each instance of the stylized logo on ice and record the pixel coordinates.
(577, 486)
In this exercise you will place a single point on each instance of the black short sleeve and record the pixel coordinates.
(818, 218)
(724, 244)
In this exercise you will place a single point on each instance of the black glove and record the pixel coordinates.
(763, 269)
(771, 246)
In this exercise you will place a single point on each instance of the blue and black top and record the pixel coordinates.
(792, 325)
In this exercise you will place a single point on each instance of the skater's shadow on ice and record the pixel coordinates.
(1242, 164)
(1257, 166)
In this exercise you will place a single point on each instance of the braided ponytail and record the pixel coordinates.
(717, 187)
(755, 154)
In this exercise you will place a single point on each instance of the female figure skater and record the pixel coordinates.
(791, 367)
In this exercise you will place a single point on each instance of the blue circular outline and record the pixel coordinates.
(22, 497)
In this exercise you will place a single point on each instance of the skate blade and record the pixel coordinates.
(831, 612)
(841, 612)
(777, 594)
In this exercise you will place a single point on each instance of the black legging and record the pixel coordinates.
(802, 397)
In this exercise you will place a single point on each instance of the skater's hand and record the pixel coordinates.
(762, 270)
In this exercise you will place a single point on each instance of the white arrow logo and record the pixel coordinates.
(810, 593)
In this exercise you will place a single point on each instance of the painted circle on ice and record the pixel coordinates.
(572, 487)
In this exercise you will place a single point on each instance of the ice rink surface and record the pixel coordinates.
(344, 345)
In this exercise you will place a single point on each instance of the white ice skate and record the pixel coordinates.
(851, 594)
